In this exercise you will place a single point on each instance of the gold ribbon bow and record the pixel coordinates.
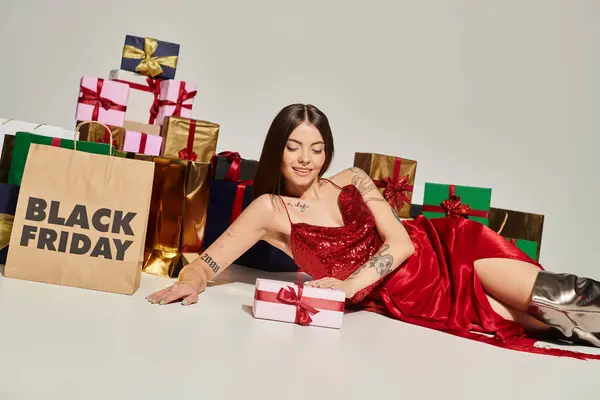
(6, 224)
(150, 66)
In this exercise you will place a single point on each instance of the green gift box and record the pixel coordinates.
(529, 247)
(23, 140)
(471, 202)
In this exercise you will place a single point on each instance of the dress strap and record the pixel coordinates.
(332, 182)
(286, 209)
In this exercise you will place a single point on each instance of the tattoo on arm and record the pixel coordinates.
(396, 216)
(375, 199)
(210, 262)
(381, 262)
(362, 181)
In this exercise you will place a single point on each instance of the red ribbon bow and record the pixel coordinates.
(182, 97)
(94, 98)
(303, 311)
(394, 190)
(453, 206)
(235, 161)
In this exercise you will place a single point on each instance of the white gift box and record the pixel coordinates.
(143, 96)
(304, 305)
(11, 126)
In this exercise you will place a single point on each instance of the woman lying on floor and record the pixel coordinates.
(450, 274)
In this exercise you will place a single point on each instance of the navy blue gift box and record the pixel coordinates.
(166, 54)
(262, 255)
(9, 194)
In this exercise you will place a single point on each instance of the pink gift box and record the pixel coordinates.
(176, 99)
(304, 305)
(102, 100)
(142, 143)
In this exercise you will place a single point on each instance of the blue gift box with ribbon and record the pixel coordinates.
(227, 199)
(151, 57)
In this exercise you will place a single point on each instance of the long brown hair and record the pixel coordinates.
(268, 177)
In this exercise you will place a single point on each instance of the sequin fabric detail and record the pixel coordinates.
(338, 251)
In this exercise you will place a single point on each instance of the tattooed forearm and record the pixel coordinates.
(382, 263)
(375, 199)
(362, 181)
(396, 216)
(210, 262)
(301, 206)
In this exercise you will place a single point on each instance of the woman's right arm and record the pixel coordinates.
(254, 223)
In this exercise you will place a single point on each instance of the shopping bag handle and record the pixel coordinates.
(503, 223)
(76, 134)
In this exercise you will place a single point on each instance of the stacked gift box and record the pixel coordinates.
(140, 111)
(395, 177)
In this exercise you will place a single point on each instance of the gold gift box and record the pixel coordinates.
(381, 166)
(176, 134)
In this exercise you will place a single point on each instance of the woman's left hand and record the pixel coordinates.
(332, 283)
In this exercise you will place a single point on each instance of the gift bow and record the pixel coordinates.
(93, 98)
(6, 224)
(303, 311)
(453, 206)
(182, 97)
(235, 160)
(393, 190)
(149, 65)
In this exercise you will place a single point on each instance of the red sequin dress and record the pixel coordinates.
(436, 287)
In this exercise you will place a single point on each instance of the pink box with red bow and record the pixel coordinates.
(102, 100)
(299, 304)
(176, 99)
(142, 143)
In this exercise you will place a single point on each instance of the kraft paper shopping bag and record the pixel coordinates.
(81, 220)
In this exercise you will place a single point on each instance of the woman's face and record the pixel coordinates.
(303, 156)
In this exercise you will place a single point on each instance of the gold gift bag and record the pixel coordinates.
(177, 214)
(196, 206)
(189, 139)
(81, 220)
(518, 225)
(394, 176)
(163, 240)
